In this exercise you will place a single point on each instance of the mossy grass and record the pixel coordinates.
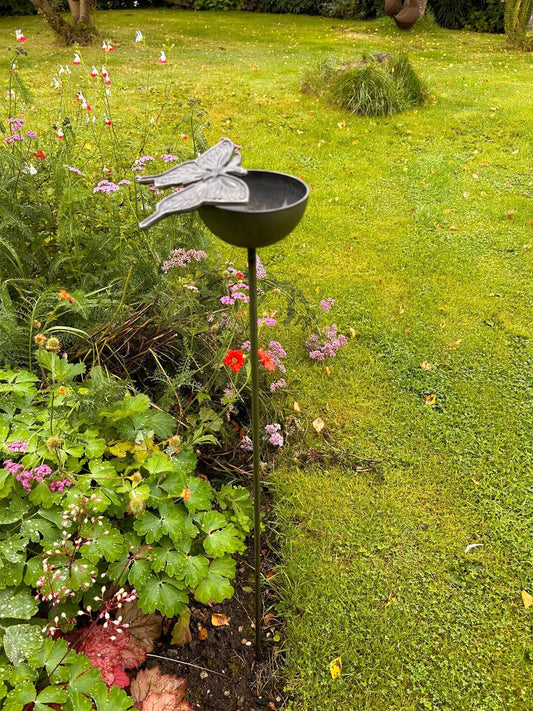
(374, 85)
(419, 226)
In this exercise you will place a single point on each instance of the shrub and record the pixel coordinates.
(295, 7)
(377, 85)
(476, 15)
(353, 9)
(219, 5)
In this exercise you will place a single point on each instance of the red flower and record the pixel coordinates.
(40, 155)
(235, 360)
(239, 275)
(266, 360)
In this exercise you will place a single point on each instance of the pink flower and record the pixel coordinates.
(94, 72)
(76, 59)
(20, 36)
(162, 58)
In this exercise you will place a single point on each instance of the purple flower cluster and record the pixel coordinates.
(141, 161)
(168, 157)
(328, 349)
(247, 444)
(180, 257)
(17, 446)
(326, 304)
(236, 294)
(16, 124)
(58, 486)
(73, 169)
(267, 321)
(27, 476)
(276, 353)
(276, 438)
(259, 269)
(106, 186)
(277, 384)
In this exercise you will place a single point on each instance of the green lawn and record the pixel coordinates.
(420, 226)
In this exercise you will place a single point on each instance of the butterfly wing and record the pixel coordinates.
(185, 200)
(187, 172)
(218, 156)
(224, 189)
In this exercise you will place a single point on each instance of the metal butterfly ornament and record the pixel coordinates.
(207, 180)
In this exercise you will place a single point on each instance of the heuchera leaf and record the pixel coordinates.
(21, 641)
(143, 629)
(19, 604)
(159, 692)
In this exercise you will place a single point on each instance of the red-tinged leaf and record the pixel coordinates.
(151, 681)
(143, 629)
(164, 702)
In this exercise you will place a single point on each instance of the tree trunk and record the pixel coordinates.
(54, 19)
(82, 29)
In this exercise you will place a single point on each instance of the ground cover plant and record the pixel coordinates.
(404, 521)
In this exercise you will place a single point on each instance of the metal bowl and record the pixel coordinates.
(276, 205)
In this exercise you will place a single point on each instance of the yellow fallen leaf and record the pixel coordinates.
(319, 425)
(297, 407)
(219, 620)
(353, 332)
(335, 668)
(431, 399)
(342, 124)
(327, 369)
(425, 365)
(527, 599)
(202, 633)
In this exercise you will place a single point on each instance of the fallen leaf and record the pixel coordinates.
(510, 213)
(202, 633)
(527, 599)
(319, 425)
(342, 124)
(431, 399)
(218, 620)
(353, 332)
(425, 365)
(181, 633)
(297, 407)
(327, 369)
(335, 668)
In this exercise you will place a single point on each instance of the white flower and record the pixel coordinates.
(138, 36)
(29, 169)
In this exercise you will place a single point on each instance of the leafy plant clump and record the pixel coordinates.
(375, 85)
(99, 506)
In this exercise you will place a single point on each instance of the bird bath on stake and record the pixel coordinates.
(254, 210)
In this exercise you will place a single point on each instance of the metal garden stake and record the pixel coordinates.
(248, 209)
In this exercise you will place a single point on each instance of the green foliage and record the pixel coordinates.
(476, 15)
(377, 85)
(296, 7)
(97, 500)
(218, 5)
(353, 9)
(517, 15)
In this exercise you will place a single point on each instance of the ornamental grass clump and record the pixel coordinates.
(375, 85)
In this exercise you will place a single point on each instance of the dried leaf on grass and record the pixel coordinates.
(142, 628)
(153, 691)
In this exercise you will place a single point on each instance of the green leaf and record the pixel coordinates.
(114, 699)
(19, 697)
(37, 528)
(222, 537)
(105, 545)
(196, 568)
(185, 461)
(163, 424)
(215, 586)
(18, 604)
(164, 595)
(78, 702)
(13, 510)
(157, 463)
(95, 447)
(52, 695)
(173, 483)
(11, 574)
(21, 641)
(199, 496)
(140, 572)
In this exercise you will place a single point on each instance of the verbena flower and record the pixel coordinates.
(326, 304)
(277, 384)
(17, 446)
(106, 186)
(168, 157)
(180, 257)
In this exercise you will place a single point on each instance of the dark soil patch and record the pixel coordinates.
(219, 663)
